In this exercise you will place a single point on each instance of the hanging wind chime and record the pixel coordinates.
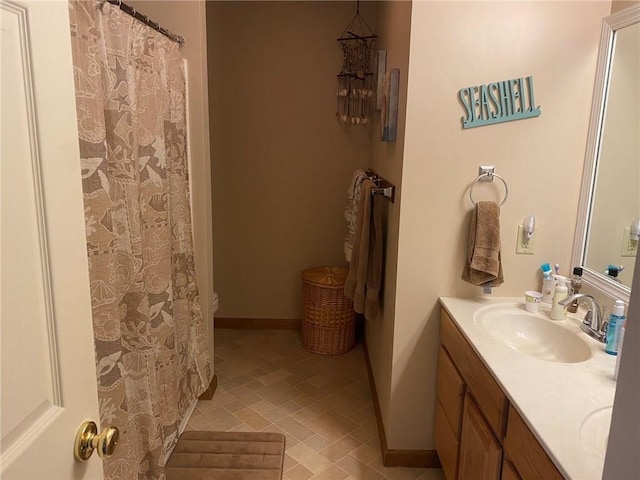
(355, 81)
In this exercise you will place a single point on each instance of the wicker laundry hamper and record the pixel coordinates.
(328, 318)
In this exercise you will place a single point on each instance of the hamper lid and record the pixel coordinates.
(326, 276)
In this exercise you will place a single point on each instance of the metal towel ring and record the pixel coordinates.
(488, 177)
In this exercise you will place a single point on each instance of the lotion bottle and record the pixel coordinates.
(560, 293)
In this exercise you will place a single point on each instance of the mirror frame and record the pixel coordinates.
(596, 280)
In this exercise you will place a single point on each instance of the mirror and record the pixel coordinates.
(610, 196)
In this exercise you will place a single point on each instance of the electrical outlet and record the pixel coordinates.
(629, 247)
(523, 248)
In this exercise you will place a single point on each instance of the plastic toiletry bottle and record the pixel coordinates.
(613, 271)
(576, 285)
(548, 283)
(560, 293)
(615, 372)
(616, 319)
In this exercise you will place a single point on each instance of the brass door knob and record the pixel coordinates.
(88, 440)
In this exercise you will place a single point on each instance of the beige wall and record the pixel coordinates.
(281, 161)
(455, 45)
(617, 5)
(187, 18)
(393, 28)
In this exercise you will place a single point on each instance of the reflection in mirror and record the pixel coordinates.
(616, 197)
(610, 195)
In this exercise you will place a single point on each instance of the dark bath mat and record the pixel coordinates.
(227, 456)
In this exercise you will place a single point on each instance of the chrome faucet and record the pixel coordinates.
(592, 324)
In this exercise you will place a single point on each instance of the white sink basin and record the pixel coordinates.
(594, 432)
(532, 334)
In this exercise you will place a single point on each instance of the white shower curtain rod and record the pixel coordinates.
(147, 21)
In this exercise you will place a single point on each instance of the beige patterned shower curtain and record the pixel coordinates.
(151, 356)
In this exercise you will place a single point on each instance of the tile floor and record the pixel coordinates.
(268, 382)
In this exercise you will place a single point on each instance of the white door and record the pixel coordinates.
(47, 356)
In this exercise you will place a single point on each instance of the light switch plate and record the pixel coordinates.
(629, 247)
(524, 248)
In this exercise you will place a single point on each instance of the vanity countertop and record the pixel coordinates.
(566, 405)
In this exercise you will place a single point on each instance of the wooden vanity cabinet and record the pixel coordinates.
(479, 382)
(448, 420)
(471, 411)
(478, 435)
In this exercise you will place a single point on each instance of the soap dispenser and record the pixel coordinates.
(560, 293)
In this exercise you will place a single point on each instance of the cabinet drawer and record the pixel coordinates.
(486, 392)
(526, 453)
(450, 388)
(446, 444)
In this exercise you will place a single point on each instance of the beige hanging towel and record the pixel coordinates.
(484, 264)
(365, 269)
(354, 197)
(374, 270)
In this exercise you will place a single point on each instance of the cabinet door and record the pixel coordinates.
(526, 453)
(446, 444)
(508, 471)
(480, 452)
(450, 391)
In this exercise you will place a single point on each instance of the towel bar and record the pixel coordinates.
(486, 174)
(384, 187)
(384, 192)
